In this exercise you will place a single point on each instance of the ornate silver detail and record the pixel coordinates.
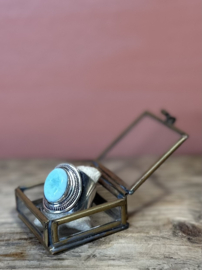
(71, 195)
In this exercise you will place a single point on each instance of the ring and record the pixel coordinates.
(62, 189)
(69, 189)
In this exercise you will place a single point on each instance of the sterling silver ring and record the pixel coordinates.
(68, 186)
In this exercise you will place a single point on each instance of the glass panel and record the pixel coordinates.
(104, 194)
(27, 214)
(35, 192)
(88, 223)
(140, 148)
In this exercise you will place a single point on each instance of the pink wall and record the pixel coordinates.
(75, 73)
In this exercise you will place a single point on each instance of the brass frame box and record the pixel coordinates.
(109, 208)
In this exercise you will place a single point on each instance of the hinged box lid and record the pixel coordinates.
(148, 138)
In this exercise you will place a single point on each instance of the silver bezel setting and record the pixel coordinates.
(71, 195)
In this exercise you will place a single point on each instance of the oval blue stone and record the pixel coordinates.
(55, 185)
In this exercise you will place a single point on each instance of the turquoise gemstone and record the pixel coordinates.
(55, 185)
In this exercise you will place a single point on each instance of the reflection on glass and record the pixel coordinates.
(88, 223)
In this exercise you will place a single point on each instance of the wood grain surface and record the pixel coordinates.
(165, 219)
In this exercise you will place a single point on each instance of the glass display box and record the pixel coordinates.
(147, 136)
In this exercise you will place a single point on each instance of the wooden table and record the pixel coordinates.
(165, 217)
